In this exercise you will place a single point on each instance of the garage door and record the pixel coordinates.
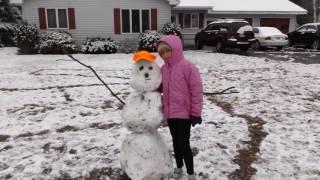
(281, 23)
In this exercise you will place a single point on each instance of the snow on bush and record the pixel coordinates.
(147, 41)
(171, 29)
(27, 39)
(99, 46)
(52, 42)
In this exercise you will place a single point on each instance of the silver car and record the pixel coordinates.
(269, 37)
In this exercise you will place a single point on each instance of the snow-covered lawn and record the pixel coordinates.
(57, 121)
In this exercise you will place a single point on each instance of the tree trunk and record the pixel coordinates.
(314, 5)
(318, 10)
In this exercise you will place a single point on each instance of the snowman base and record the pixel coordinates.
(145, 156)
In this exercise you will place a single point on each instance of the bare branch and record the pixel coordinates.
(95, 73)
(222, 92)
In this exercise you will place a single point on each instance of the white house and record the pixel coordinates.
(125, 19)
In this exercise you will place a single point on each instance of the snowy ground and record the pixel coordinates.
(57, 121)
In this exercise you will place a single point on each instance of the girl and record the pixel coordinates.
(182, 100)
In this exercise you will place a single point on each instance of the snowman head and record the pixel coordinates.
(146, 74)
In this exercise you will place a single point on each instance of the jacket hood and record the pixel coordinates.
(177, 50)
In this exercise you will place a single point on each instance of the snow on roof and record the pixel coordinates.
(16, 1)
(244, 6)
(198, 4)
(257, 6)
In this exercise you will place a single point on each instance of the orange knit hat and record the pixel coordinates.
(144, 55)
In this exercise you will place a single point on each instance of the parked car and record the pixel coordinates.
(226, 33)
(307, 35)
(269, 37)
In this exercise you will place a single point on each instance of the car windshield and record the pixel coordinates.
(235, 26)
(270, 30)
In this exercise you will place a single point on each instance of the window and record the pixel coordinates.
(145, 20)
(135, 20)
(187, 21)
(62, 17)
(125, 20)
(302, 29)
(173, 19)
(191, 21)
(312, 29)
(57, 18)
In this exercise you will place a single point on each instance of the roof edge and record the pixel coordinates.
(174, 2)
(261, 12)
(193, 8)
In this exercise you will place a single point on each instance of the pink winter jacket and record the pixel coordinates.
(181, 83)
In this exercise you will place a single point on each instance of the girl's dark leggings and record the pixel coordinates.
(180, 132)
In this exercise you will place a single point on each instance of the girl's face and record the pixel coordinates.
(164, 50)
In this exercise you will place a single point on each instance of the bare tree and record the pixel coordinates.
(318, 10)
(314, 5)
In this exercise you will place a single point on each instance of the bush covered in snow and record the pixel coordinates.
(27, 39)
(147, 41)
(100, 46)
(7, 34)
(171, 29)
(52, 42)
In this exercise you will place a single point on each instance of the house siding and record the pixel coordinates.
(96, 18)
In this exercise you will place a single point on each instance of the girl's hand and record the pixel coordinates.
(195, 120)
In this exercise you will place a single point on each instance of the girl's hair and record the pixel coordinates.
(163, 48)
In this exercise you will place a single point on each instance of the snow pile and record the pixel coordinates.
(147, 41)
(99, 46)
(52, 42)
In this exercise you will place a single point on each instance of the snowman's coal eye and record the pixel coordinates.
(150, 68)
(141, 68)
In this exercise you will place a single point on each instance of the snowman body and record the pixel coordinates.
(144, 154)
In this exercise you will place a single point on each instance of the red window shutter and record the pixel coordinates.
(42, 18)
(201, 20)
(72, 18)
(154, 19)
(181, 20)
(117, 25)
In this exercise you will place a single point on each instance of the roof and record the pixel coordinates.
(16, 1)
(171, 2)
(244, 6)
(174, 2)
(195, 4)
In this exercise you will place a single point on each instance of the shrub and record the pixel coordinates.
(7, 34)
(128, 45)
(147, 41)
(27, 39)
(171, 29)
(99, 46)
(52, 42)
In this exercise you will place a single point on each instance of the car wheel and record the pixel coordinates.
(256, 45)
(219, 47)
(290, 43)
(279, 48)
(198, 44)
(315, 45)
(244, 49)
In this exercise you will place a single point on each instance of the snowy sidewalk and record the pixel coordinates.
(57, 121)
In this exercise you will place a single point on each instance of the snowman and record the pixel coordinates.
(144, 154)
